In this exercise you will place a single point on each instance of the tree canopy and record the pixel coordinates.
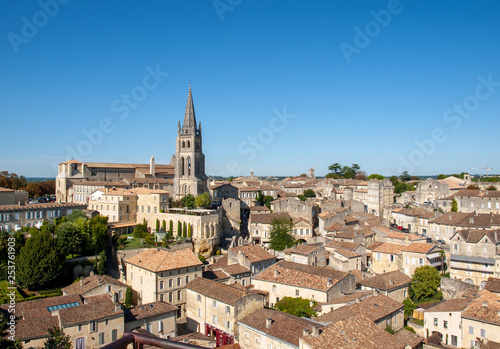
(424, 286)
(189, 201)
(40, 262)
(296, 306)
(281, 237)
(203, 200)
(339, 171)
(375, 176)
(57, 340)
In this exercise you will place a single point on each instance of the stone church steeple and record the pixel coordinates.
(190, 177)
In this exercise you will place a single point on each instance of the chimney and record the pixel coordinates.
(81, 281)
(329, 282)
(450, 217)
(269, 322)
(315, 331)
(471, 220)
(152, 166)
(91, 273)
(276, 272)
(305, 332)
(485, 304)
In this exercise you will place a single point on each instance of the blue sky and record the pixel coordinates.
(367, 82)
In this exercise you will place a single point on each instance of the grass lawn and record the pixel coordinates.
(135, 243)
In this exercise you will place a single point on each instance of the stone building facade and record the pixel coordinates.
(380, 195)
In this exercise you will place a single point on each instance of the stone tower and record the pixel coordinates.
(189, 175)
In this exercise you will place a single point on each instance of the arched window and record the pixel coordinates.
(189, 166)
(183, 144)
(189, 144)
(182, 166)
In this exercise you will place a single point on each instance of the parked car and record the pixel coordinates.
(441, 241)
(429, 240)
(400, 228)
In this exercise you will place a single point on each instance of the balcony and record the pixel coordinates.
(139, 340)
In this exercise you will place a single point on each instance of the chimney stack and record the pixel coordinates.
(329, 283)
(81, 281)
(315, 331)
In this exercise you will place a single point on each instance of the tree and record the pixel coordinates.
(204, 200)
(280, 234)
(361, 175)
(179, 228)
(57, 339)
(184, 230)
(40, 262)
(164, 225)
(157, 224)
(190, 232)
(76, 214)
(409, 306)
(425, 284)
(101, 264)
(70, 238)
(296, 306)
(128, 297)
(309, 193)
(375, 176)
(301, 197)
(170, 229)
(335, 168)
(441, 176)
(99, 232)
(472, 187)
(442, 255)
(491, 187)
(348, 172)
(399, 188)
(140, 231)
(405, 176)
(454, 205)
(189, 201)
(394, 180)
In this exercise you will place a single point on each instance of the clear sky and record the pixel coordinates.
(279, 86)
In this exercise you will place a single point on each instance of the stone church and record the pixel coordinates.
(184, 175)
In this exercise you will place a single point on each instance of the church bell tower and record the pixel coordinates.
(190, 177)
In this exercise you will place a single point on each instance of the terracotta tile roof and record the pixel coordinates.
(415, 212)
(387, 281)
(474, 235)
(409, 338)
(346, 253)
(335, 227)
(390, 248)
(300, 219)
(253, 253)
(326, 214)
(420, 247)
(478, 193)
(249, 189)
(148, 310)
(303, 249)
(89, 284)
(228, 294)
(259, 209)
(485, 308)
(159, 260)
(215, 274)
(451, 305)
(267, 218)
(493, 285)
(33, 328)
(38, 308)
(401, 236)
(374, 245)
(229, 269)
(351, 297)
(287, 327)
(356, 332)
(30, 207)
(470, 220)
(96, 307)
(374, 308)
(351, 246)
(105, 184)
(307, 276)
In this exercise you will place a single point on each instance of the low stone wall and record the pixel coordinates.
(454, 288)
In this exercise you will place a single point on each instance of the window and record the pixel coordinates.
(108, 289)
(198, 298)
(297, 293)
(257, 341)
(187, 279)
(420, 261)
(178, 281)
(454, 340)
(170, 297)
(160, 326)
(93, 326)
(214, 303)
(228, 325)
(80, 328)
(391, 258)
(471, 330)
(274, 288)
(148, 327)
(170, 283)
(214, 319)
(435, 321)
(445, 324)
(101, 338)
(179, 295)
(227, 310)
(379, 256)
(161, 285)
(161, 297)
(483, 333)
(120, 294)
(407, 260)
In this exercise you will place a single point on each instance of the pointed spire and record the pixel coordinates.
(189, 116)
